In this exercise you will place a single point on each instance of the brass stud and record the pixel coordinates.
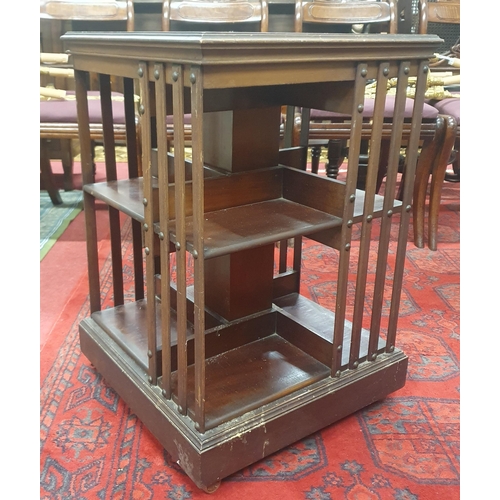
(146, 250)
(350, 223)
(192, 78)
(140, 72)
(164, 393)
(374, 356)
(337, 373)
(175, 76)
(178, 245)
(150, 379)
(150, 354)
(406, 70)
(426, 69)
(391, 349)
(408, 208)
(339, 348)
(385, 71)
(195, 254)
(161, 235)
(369, 218)
(364, 72)
(141, 109)
(389, 213)
(146, 227)
(348, 246)
(156, 74)
(352, 197)
(145, 202)
(355, 364)
(360, 108)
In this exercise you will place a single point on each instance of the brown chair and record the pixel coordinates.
(433, 15)
(331, 129)
(58, 116)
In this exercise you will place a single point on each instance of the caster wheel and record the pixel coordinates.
(212, 488)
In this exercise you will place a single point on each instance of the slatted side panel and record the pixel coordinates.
(410, 166)
(367, 223)
(387, 213)
(346, 231)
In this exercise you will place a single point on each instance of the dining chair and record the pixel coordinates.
(58, 115)
(434, 15)
(331, 129)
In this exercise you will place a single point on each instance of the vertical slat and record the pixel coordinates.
(346, 231)
(196, 78)
(409, 179)
(180, 231)
(289, 122)
(161, 130)
(131, 129)
(133, 172)
(89, 200)
(366, 228)
(388, 205)
(283, 250)
(110, 160)
(148, 220)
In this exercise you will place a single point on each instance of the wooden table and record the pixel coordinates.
(251, 365)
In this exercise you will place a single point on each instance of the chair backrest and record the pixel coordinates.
(81, 10)
(59, 16)
(227, 15)
(440, 17)
(344, 15)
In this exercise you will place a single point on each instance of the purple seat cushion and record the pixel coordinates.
(449, 106)
(64, 111)
(429, 112)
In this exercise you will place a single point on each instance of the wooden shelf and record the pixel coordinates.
(124, 195)
(253, 375)
(257, 224)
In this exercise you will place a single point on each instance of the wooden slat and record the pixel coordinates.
(409, 178)
(345, 237)
(368, 210)
(161, 131)
(180, 234)
(196, 78)
(145, 112)
(89, 201)
(133, 172)
(111, 175)
(389, 195)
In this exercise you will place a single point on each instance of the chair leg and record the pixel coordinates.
(425, 163)
(47, 176)
(67, 163)
(438, 175)
(336, 156)
(315, 156)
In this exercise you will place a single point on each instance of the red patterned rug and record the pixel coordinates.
(403, 448)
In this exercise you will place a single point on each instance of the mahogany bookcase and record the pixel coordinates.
(238, 364)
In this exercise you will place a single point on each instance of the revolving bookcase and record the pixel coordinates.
(219, 354)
